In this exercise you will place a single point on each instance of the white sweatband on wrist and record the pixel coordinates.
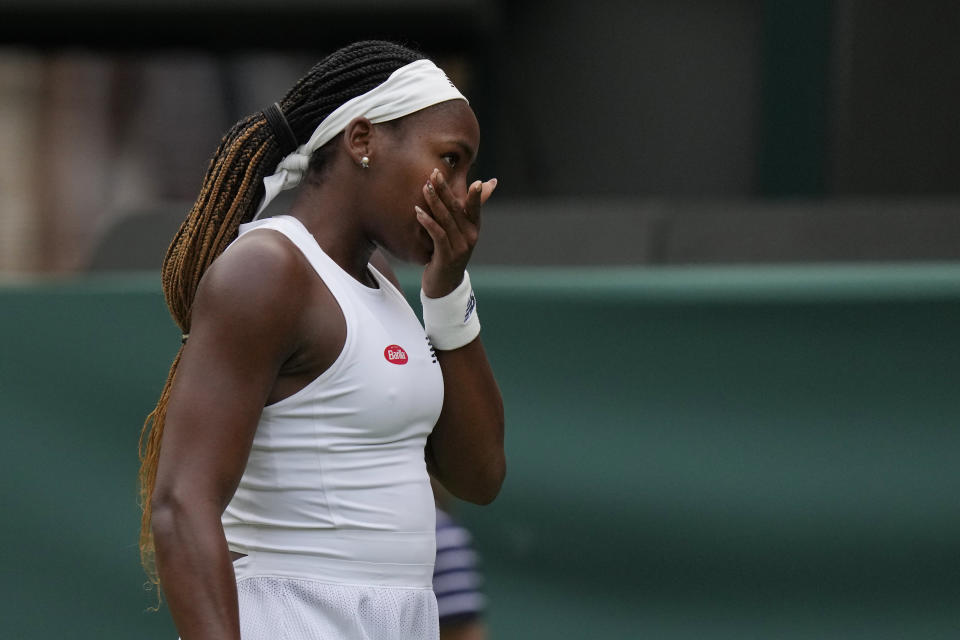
(451, 321)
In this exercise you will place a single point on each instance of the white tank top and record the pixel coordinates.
(336, 487)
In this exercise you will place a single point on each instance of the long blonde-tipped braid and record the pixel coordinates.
(202, 237)
(231, 190)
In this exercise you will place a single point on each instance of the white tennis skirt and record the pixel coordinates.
(283, 608)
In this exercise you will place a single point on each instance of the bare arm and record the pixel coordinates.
(471, 630)
(465, 451)
(243, 328)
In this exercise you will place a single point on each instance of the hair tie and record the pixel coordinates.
(282, 132)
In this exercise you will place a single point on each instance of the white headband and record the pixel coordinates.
(410, 88)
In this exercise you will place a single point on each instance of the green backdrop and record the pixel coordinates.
(693, 453)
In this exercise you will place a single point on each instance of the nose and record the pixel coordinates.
(460, 189)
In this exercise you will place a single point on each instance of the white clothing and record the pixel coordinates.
(273, 608)
(334, 509)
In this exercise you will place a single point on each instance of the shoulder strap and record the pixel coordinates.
(331, 274)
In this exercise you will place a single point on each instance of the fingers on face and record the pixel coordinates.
(454, 224)
(438, 221)
(474, 200)
(446, 195)
(487, 189)
(433, 227)
(444, 207)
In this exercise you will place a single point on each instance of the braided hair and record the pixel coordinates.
(231, 191)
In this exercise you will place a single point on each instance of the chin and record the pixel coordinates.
(413, 255)
(422, 258)
(415, 248)
(422, 253)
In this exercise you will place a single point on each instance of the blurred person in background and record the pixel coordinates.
(284, 474)
(457, 578)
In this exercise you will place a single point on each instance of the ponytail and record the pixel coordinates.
(229, 196)
(231, 191)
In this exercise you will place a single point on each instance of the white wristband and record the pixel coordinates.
(451, 321)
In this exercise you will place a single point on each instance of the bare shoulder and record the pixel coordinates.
(257, 283)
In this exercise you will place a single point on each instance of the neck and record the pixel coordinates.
(330, 214)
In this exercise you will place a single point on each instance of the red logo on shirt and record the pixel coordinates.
(395, 354)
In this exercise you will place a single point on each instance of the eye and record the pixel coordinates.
(451, 159)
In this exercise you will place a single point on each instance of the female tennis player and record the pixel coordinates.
(284, 473)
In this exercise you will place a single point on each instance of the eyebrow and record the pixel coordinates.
(467, 150)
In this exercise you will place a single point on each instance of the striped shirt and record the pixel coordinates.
(456, 577)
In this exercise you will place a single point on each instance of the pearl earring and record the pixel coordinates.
(365, 162)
